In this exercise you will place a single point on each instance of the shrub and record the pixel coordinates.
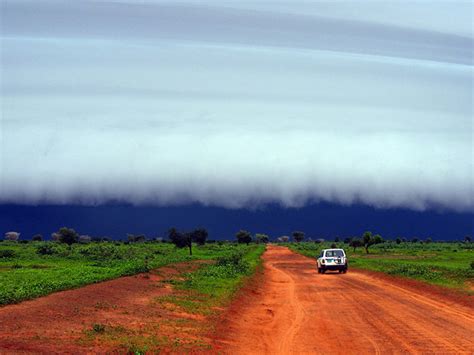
(98, 327)
(7, 253)
(243, 237)
(100, 251)
(234, 261)
(261, 238)
(298, 236)
(67, 236)
(12, 236)
(136, 238)
(50, 249)
(37, 238)
(472, 265)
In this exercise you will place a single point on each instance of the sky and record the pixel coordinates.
(238, 104)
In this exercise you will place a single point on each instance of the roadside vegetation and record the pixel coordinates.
(214, 284)
(30, 269)
(446, 264)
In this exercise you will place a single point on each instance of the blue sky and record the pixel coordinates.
(237, 104)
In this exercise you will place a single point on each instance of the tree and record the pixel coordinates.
(355, 243)
(369, 239)
(243, 237)
(181, 240)
(467, 239)
(283, 239)
(428, 240)
(347, 240)
(37, 238)
(298, 236)
(414, 240)
(398, 240)
(261, 238)
(12, 236)
(67, 236)
(199, 236)
(336, 240)
(140, 238)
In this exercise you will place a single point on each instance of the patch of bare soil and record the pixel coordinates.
(295, 310)
(120, 316)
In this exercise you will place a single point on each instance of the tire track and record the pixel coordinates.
(346, 314)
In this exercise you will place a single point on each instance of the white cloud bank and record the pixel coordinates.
(237, 105)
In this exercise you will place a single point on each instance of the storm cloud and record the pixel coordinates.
(237, 104)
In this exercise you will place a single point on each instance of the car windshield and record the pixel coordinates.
(334, 253)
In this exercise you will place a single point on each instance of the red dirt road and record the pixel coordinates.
(295, 310)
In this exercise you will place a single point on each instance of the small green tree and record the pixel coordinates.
(261, 238)
(243, 237)
(37, 238)
(355, 243)
(369, 239)
(199, 236)
(298, 236)
(67, 236)
(398, 240)
(181, 240)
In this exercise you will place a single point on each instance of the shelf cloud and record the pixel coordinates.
(237, 104)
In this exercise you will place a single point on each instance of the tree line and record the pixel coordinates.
(199, 236)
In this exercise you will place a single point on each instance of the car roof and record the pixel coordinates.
(333, 249)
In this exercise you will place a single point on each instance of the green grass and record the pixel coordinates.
(445, 264)
(214, 285)
(26, 274)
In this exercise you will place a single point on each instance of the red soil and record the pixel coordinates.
(294, 310)
(62, 322)
(288, 308)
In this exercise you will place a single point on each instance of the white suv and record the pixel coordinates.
(332, 259)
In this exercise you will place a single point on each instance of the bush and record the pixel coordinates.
(67, 236)
(37, 238)
(101, 252)
(7, 253)
(50, 249)
(98, 328)
(243, 236)
(12, 236)
(234, 261)
(298, 236)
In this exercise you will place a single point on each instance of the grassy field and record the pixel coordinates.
(29, 270)
(214, 285)
(445, 264)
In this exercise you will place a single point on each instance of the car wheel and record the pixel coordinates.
(323, 271)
